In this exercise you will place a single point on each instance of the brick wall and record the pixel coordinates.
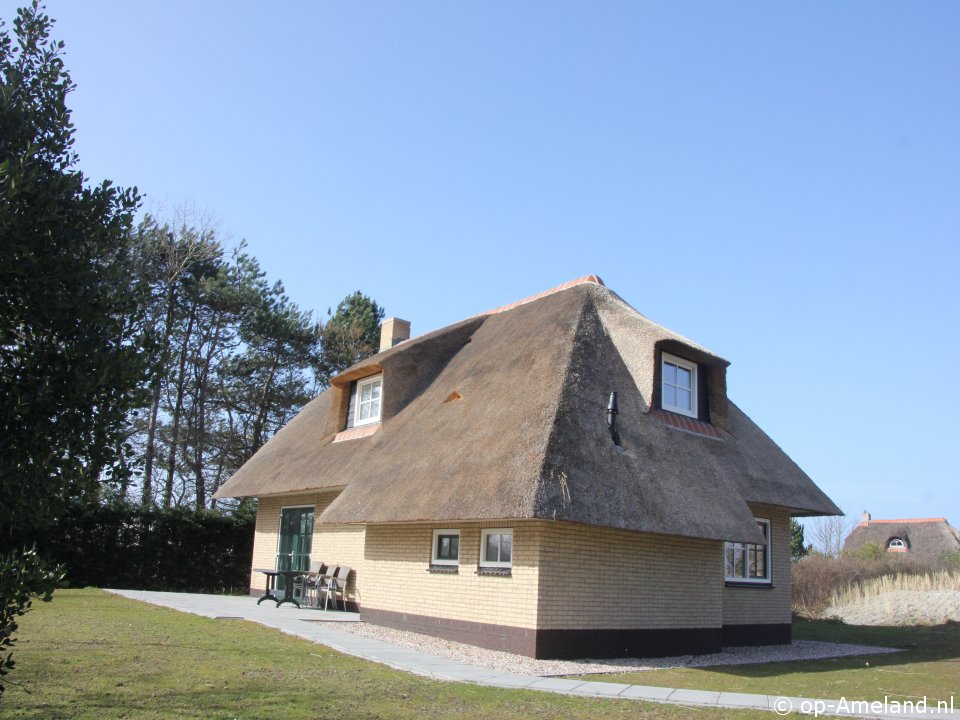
(600, 578)
(397, 577)
(764, 605)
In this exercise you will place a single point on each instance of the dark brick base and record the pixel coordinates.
(572, 644)
(521, 641)
(555, 644)
(779, 634)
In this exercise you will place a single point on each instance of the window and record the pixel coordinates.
(896, 545)
(679, 386)
(446, 547)
(747, 562)
(368, 400)
(496, 548)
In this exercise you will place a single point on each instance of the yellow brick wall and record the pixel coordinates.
(343, 545)
(750, 605)
(397, 578)
(600, 578)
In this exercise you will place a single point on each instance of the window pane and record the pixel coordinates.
(492, 554)
(761, 562)
(443, 552)
(683, 378)
(375, 389)
(738, 569)
(728, 560)
(670, 373)
(365, 393)
(454, 547)
(375, 408)
(684, 400)
(669, 396)
(365, 411)
(506, 547)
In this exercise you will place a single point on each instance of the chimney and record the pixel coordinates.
(865, 518)
(392, 331)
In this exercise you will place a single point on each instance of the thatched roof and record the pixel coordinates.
(926, 539)
(527, 436)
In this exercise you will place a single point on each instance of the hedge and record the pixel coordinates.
(124, 546)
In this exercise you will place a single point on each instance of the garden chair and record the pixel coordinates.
(338, 585)
(309, 584)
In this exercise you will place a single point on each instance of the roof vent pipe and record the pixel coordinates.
(612, 412)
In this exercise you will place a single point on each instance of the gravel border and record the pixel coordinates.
(508, 662)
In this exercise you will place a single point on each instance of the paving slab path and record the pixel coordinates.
(321, 627)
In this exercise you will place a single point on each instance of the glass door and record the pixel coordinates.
(296, 539)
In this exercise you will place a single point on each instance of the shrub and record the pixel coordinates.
(869, 552)
(23, 577)
(817, 577)
(131, 547)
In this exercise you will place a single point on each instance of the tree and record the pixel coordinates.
(797, 547)
(74, 346)
(830, 532)
(350, 335)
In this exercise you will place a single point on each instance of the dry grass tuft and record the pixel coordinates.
(900, 599)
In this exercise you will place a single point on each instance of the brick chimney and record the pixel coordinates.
(392, 331)
(865, 518)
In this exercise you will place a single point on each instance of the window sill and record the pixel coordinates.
(495, 571)
(444, 569)
(749, 584)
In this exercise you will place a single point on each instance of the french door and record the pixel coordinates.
(296, 540)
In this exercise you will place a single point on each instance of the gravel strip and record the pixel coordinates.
(508, 662)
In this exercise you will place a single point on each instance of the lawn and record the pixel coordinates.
(929, 665)
(89, 654)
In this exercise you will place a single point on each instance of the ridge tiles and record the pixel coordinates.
(902, 520)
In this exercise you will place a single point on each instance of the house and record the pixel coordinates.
(475, 481)
(925, 540)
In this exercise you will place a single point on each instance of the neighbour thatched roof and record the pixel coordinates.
(926, 539)
(503, 417)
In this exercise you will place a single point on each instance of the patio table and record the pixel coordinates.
(272, 575)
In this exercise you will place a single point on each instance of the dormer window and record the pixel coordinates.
(896, 545)
(679, 385)
(369, 395)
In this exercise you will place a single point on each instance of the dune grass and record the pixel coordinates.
(929, 666)
(89, 654)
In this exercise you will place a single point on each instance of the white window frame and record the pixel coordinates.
(484, 534)
(357, 422)
(740, 547)
(434, 560)
(686, 365)
(901, 545)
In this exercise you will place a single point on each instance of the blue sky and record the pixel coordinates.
(778, 182)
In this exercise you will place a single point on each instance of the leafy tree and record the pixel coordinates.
(797, 547)
(350, 335)
(73, 340)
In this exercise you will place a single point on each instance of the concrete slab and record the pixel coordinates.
(600, 689)
(647, 692)
(745, 700)
(694, 697)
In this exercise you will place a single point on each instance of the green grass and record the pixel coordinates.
(89, 654)
(929, 665)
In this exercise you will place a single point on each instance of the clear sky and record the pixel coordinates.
(778, 182)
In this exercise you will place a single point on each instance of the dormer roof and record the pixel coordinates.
(502, 417)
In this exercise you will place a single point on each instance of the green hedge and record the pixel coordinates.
(123, 546)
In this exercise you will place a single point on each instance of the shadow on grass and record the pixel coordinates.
(917, 644)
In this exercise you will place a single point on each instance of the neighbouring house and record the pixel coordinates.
(486, 486)
(926, 540)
